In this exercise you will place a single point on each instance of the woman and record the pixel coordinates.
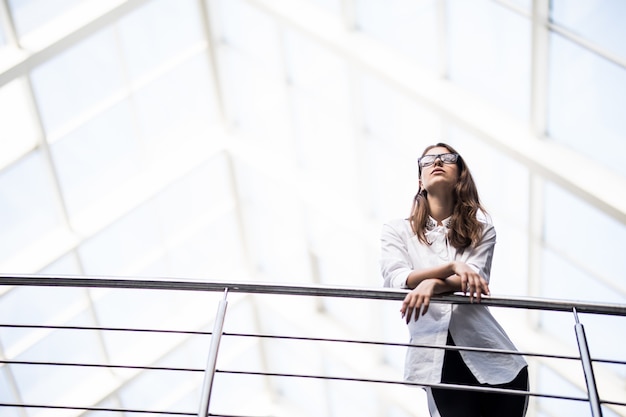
(446, 245)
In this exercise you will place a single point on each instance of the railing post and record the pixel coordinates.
(583, 348)
(209, 371)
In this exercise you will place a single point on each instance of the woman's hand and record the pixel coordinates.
(471, 281)
(418, 299)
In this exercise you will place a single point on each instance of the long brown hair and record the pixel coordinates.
(464, 229)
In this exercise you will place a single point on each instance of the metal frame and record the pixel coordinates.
(315, 291)
(308, 290)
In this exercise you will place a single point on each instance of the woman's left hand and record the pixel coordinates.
(471, 281)
(417, 301)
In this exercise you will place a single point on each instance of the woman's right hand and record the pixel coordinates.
(418, 299)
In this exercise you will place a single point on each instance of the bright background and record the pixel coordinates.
(268, 140)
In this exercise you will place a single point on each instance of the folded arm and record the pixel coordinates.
(463, 279)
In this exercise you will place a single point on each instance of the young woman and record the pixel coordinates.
(446, 245)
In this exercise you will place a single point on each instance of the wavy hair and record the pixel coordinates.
(464, 229)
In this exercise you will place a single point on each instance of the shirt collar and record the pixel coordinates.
(432, 223)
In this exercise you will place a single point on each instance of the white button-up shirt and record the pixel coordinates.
(469, 325)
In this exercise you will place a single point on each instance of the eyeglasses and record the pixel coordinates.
(446, 158)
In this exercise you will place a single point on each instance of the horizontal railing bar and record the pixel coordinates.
(79, 408)
(308, 290)
(425, 345)
(230, 415)
(347, 379)
(416, 345)
(117, 410)
(610, 402)
(319, 339)
(107, 329)
(299, 338)
(392, 382)
(99, 365)
(443, 386)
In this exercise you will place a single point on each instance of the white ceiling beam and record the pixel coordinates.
(61, 34)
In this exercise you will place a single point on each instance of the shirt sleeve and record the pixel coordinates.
(480, 256)
(395, 264)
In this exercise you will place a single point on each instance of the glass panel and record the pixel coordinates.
(197, 221)
(35, 306)
(97, 158)
(408, 26)
(161, 390)
(600, 21)
(604, 336)
(490, 53)
(18, 133)
(326, 146)
(333, 6)
(254, 34)
(178, 108)
(158, 31)
(212, 252)
(203, 193)
(65, 265)
(551, 382)
(397, 118)
(586, 236)
(75, 385)
(345, 398)
(586, 98)
(391, 178)
(8, 394)
(307, 393)
(525, 5)
(257, 101)
(28, 205)
(115, 250)
(73, 82)
(29, 15)
(2, 37)
(174, 234)
(276, 244)
(153, 310)
(318, 72)
(562, 280)
(342, 257)
(322, 113)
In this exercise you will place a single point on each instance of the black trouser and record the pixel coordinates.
(460, 403)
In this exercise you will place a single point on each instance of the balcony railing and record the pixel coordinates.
(592, 396)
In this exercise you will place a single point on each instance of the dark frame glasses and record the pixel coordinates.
(446, 158)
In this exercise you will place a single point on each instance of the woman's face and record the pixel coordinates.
(439, 175)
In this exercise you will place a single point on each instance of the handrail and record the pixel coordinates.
(300, 289)
(311, 290)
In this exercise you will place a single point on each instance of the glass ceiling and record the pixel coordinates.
(268, 140)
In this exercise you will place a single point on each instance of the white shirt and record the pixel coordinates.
(469, 325)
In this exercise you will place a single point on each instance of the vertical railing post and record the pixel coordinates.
(583, 348)
(209, 371)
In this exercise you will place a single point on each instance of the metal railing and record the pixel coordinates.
(585, 358)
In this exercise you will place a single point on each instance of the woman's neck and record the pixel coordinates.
(440, 207)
